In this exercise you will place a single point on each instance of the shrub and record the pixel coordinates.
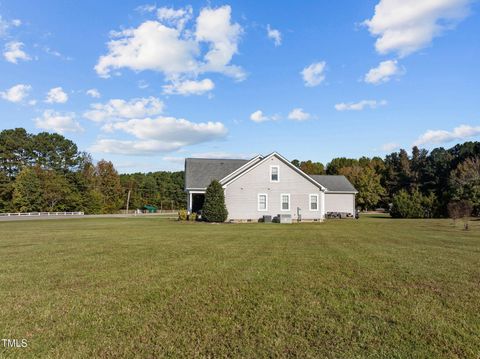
(414, 205)
(192, 217)
(214, 209)
(460, 209)
(182, 215)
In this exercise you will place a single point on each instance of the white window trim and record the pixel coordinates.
(281, 203)
(278, 173)
(310, 202)
(266, 202)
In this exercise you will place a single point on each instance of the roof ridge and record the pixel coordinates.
(218, 159)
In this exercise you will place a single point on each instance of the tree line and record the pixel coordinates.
(46, 172)
(420, 184)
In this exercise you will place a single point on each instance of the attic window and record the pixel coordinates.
(274, 174)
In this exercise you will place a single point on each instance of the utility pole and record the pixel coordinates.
(128, 199)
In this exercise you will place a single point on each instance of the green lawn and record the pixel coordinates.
(149, 287)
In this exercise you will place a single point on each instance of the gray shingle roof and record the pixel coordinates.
(334, 183)
(199, 172)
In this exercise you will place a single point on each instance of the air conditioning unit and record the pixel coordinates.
(285, 218)
(267, 219)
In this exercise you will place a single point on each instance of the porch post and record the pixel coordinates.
(189, 202)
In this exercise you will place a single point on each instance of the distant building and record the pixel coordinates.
(268, 185)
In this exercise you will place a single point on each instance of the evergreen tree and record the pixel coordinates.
(27, 191)
(214, 209)
(465, 182)
(109, 186)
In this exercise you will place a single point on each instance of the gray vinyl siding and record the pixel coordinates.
(241, 195)
(340, 202)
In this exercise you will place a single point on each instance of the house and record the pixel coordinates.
(268, 185)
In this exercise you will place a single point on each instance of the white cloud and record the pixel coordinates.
(163, 134)
(214, 26)
(391, 146)
(58, 122)
(275, 35)
(358, 106)
(13, 52)
(56, 95)
(16, 93)
(5, 25)
(405, 26)
(383, 72)
(314, 74)
(146, 8)
(461, 132)
(189, 87)
(118, 109)
(166, 47)
(93, 93)
(297, 114)
(176, 17)
(258, 116)
(151, 46)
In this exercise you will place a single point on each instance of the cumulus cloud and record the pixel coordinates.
(391, 146)
(165, 46)
(189, 87)
(383, 72)
(459, 133)
(151, 46)
(314, 74)
(405, 26)
(58, 122)
(275, 35)
(358, 106)
(214, 27)
(297, 114)
(162, 134)
(56, 95)
(258, 116)
(13, 52)
(118, 109)
(16, 93)
(93, 93)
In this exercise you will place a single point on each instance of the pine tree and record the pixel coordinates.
(214, 209)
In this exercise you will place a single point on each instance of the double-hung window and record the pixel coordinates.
(285, 202)
(262, 202)
(314, 202)
(274, 174)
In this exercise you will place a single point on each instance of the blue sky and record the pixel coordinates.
(146, 84)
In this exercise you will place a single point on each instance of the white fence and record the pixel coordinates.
(28, 214)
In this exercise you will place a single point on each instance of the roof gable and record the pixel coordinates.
(281, 158)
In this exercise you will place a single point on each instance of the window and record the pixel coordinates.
(285, 202)
(274, 174)
(262, 202)
(314, 202)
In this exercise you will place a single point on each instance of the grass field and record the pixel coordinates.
(148, 287)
